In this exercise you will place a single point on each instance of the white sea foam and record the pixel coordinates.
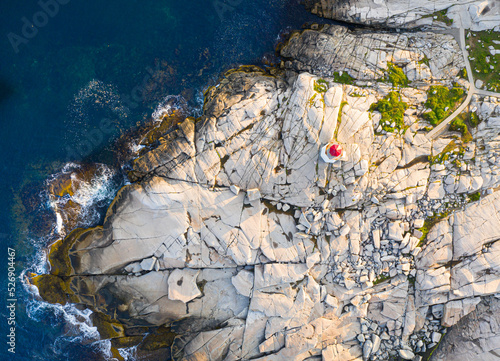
(78, 327)
(135, 147)
(89, 195)
(129, 353)
(99, 189)
(79, 320)
(68, 167)
(98, 94)
(59, 223)
(199, 100)
(168, 105)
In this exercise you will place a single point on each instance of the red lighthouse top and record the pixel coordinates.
(335, 150)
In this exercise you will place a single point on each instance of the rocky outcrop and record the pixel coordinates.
(424, 57)
(475, 337)
(238, 237)
(462, 262)
(474, 15)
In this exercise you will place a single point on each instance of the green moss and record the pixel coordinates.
(463, 73)
(441, 101)
(246, 69)
(395, 75)
(428, 355)
(474, 197)
(127, 341)
(62, 187)
(485, 66)
(424, 60)
(343, 78)
(54, 289)
(59, 254)
(339, 117)
(429, 223)
(341, 107)
(107, 327)
(357, 95)
(445, 153)
(463, 123)
(474, 120)
(116, 354)
(381, 279)
(311, 100)
(168, 121)
(440, 16)
(163, 337)
(392, 109)
(321, 85)
(458, 125)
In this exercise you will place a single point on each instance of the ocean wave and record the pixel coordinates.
(69, 328)
(99, 189)
(90, 195)
(78, 329)
(168, 105)
(135, 147)
(128, 353)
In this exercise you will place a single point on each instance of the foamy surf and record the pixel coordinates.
(129, 353)
(99, 189)
(90, 195)
(78, 328)
(168, 105)
(92, 192)
(135, 147)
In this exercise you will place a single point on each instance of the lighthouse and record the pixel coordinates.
(332, 152)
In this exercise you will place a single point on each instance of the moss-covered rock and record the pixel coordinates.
(163, 337)
(54, 289)
(321, 86)
(395, 75)
(485, 63)
(441, 101)
(167, 122)
(107, 327)
(392, 109)
(59, 254)
(343, 78)
(127, 341)
(460, 124)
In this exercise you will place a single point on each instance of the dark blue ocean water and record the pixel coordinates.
(73, 77)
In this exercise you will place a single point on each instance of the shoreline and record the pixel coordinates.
(106, 325)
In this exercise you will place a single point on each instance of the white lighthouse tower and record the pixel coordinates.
(332, 152)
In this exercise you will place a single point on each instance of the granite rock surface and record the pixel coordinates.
(474, 15)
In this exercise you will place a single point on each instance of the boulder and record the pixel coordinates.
(182, 285)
